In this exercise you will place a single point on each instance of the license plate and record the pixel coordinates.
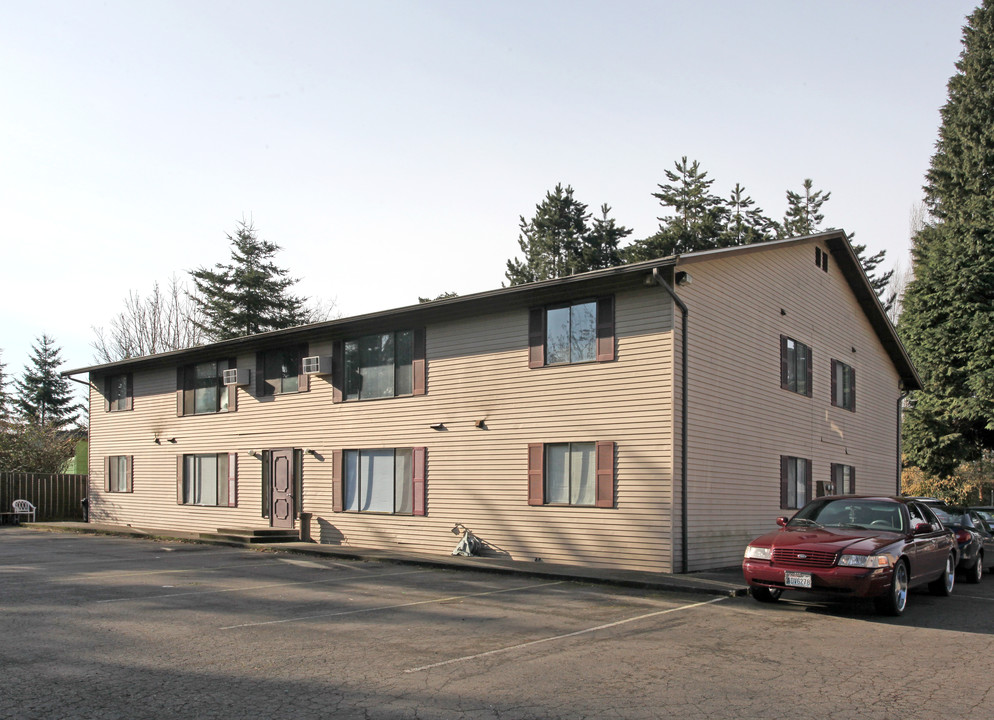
(797, 579)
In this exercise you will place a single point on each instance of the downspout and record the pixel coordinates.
(89, 447)
(657, 277)
(900, 445)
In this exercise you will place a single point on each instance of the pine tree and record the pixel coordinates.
(250, 295)
(803, 216)
(947, 322)
(880, 283)
(600, 247)
(698, 215)
(553, 240)
(745, 224)
(43, 396)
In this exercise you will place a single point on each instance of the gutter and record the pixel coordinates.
(658, 279)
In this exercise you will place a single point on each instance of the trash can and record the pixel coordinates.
(85, 502)
(305, 526)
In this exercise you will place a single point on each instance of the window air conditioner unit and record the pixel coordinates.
(317, 365)
(237, 376)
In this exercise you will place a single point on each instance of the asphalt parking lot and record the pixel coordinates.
(106, 627)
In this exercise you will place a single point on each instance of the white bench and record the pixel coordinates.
(23, 507)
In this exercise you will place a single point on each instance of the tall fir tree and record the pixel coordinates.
(248, 296)
(803, 216)
(947, 321)
(745, 223)
(559, 240)
(43, 396)
(5, 400)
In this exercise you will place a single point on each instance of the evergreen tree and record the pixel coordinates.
(600, 247)
(698, 215)
(43, 396)
(880, 283)
(745, 224)
(559, 241)
(248, 296)
(803, 216)
(4, 394)
(947, 321)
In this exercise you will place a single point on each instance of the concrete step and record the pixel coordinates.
(248, 536)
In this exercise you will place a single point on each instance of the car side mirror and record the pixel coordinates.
(782, 521)
(923, 528)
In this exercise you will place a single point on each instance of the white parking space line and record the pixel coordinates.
(519, 646)
(974, 597)
(259, 587)
(393, 607)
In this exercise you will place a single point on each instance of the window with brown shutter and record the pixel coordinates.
(843, 386)
(118, 474)
(200, 388)
(208, 479)
(795, 482)
(279, 371)
(119, 392)
(379, 365)
(571, 333)
(382, 480)
(795, 366)
(574, 473)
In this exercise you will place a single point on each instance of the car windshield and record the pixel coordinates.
(986, 515)
(851, 513)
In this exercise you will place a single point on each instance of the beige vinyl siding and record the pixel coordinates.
(477, 369)
(741, 421)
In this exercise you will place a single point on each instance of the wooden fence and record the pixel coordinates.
(57, 497)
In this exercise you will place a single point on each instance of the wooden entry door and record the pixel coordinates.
(281, 489)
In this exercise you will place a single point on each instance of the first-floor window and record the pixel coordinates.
(379, 481)
(207, 480)
(572, 473)
(795, 482)
(117, 474)
(843, 479)
(569, 473)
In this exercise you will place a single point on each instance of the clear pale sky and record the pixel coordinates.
(390, 147)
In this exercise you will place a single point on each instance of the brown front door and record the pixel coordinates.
(281, 477)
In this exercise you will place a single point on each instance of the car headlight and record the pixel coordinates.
(758, 553)
(864, 561)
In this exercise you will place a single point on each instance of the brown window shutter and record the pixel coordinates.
(536, 337)
(784, 460)
(232, 479)
(337, 481)
(337, 371)
(179, 479)
(536, 473)
(783, 362)
(303, 381)
(106, 474)
(232, 390)
(835, 385)
(810, 367)
(129, 402)
(180, 375)
(420, 487)
(267, 486)
(605, 475)
(107, 391)
(807, 482)
(419, 365)
(852, 480)
(605, 329)
(129, 484)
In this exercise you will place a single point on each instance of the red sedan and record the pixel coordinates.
(875, 547)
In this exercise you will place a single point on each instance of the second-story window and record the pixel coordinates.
(279, 371)
(568, 333)
(202, 389)
(843, 386)
(119, 393)
(380, 365)
(795, 366)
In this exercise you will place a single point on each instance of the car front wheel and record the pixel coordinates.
(943, 585)
(765, 594)
(896, 599)
(976, 573)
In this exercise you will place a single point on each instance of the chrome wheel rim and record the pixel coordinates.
(950, 574)
(978, 570)
(900, 587)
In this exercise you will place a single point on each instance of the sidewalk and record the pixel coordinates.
(723, 582)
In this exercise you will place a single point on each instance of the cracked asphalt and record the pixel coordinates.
(107, 627)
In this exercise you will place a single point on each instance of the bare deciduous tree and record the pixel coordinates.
(163, 320)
